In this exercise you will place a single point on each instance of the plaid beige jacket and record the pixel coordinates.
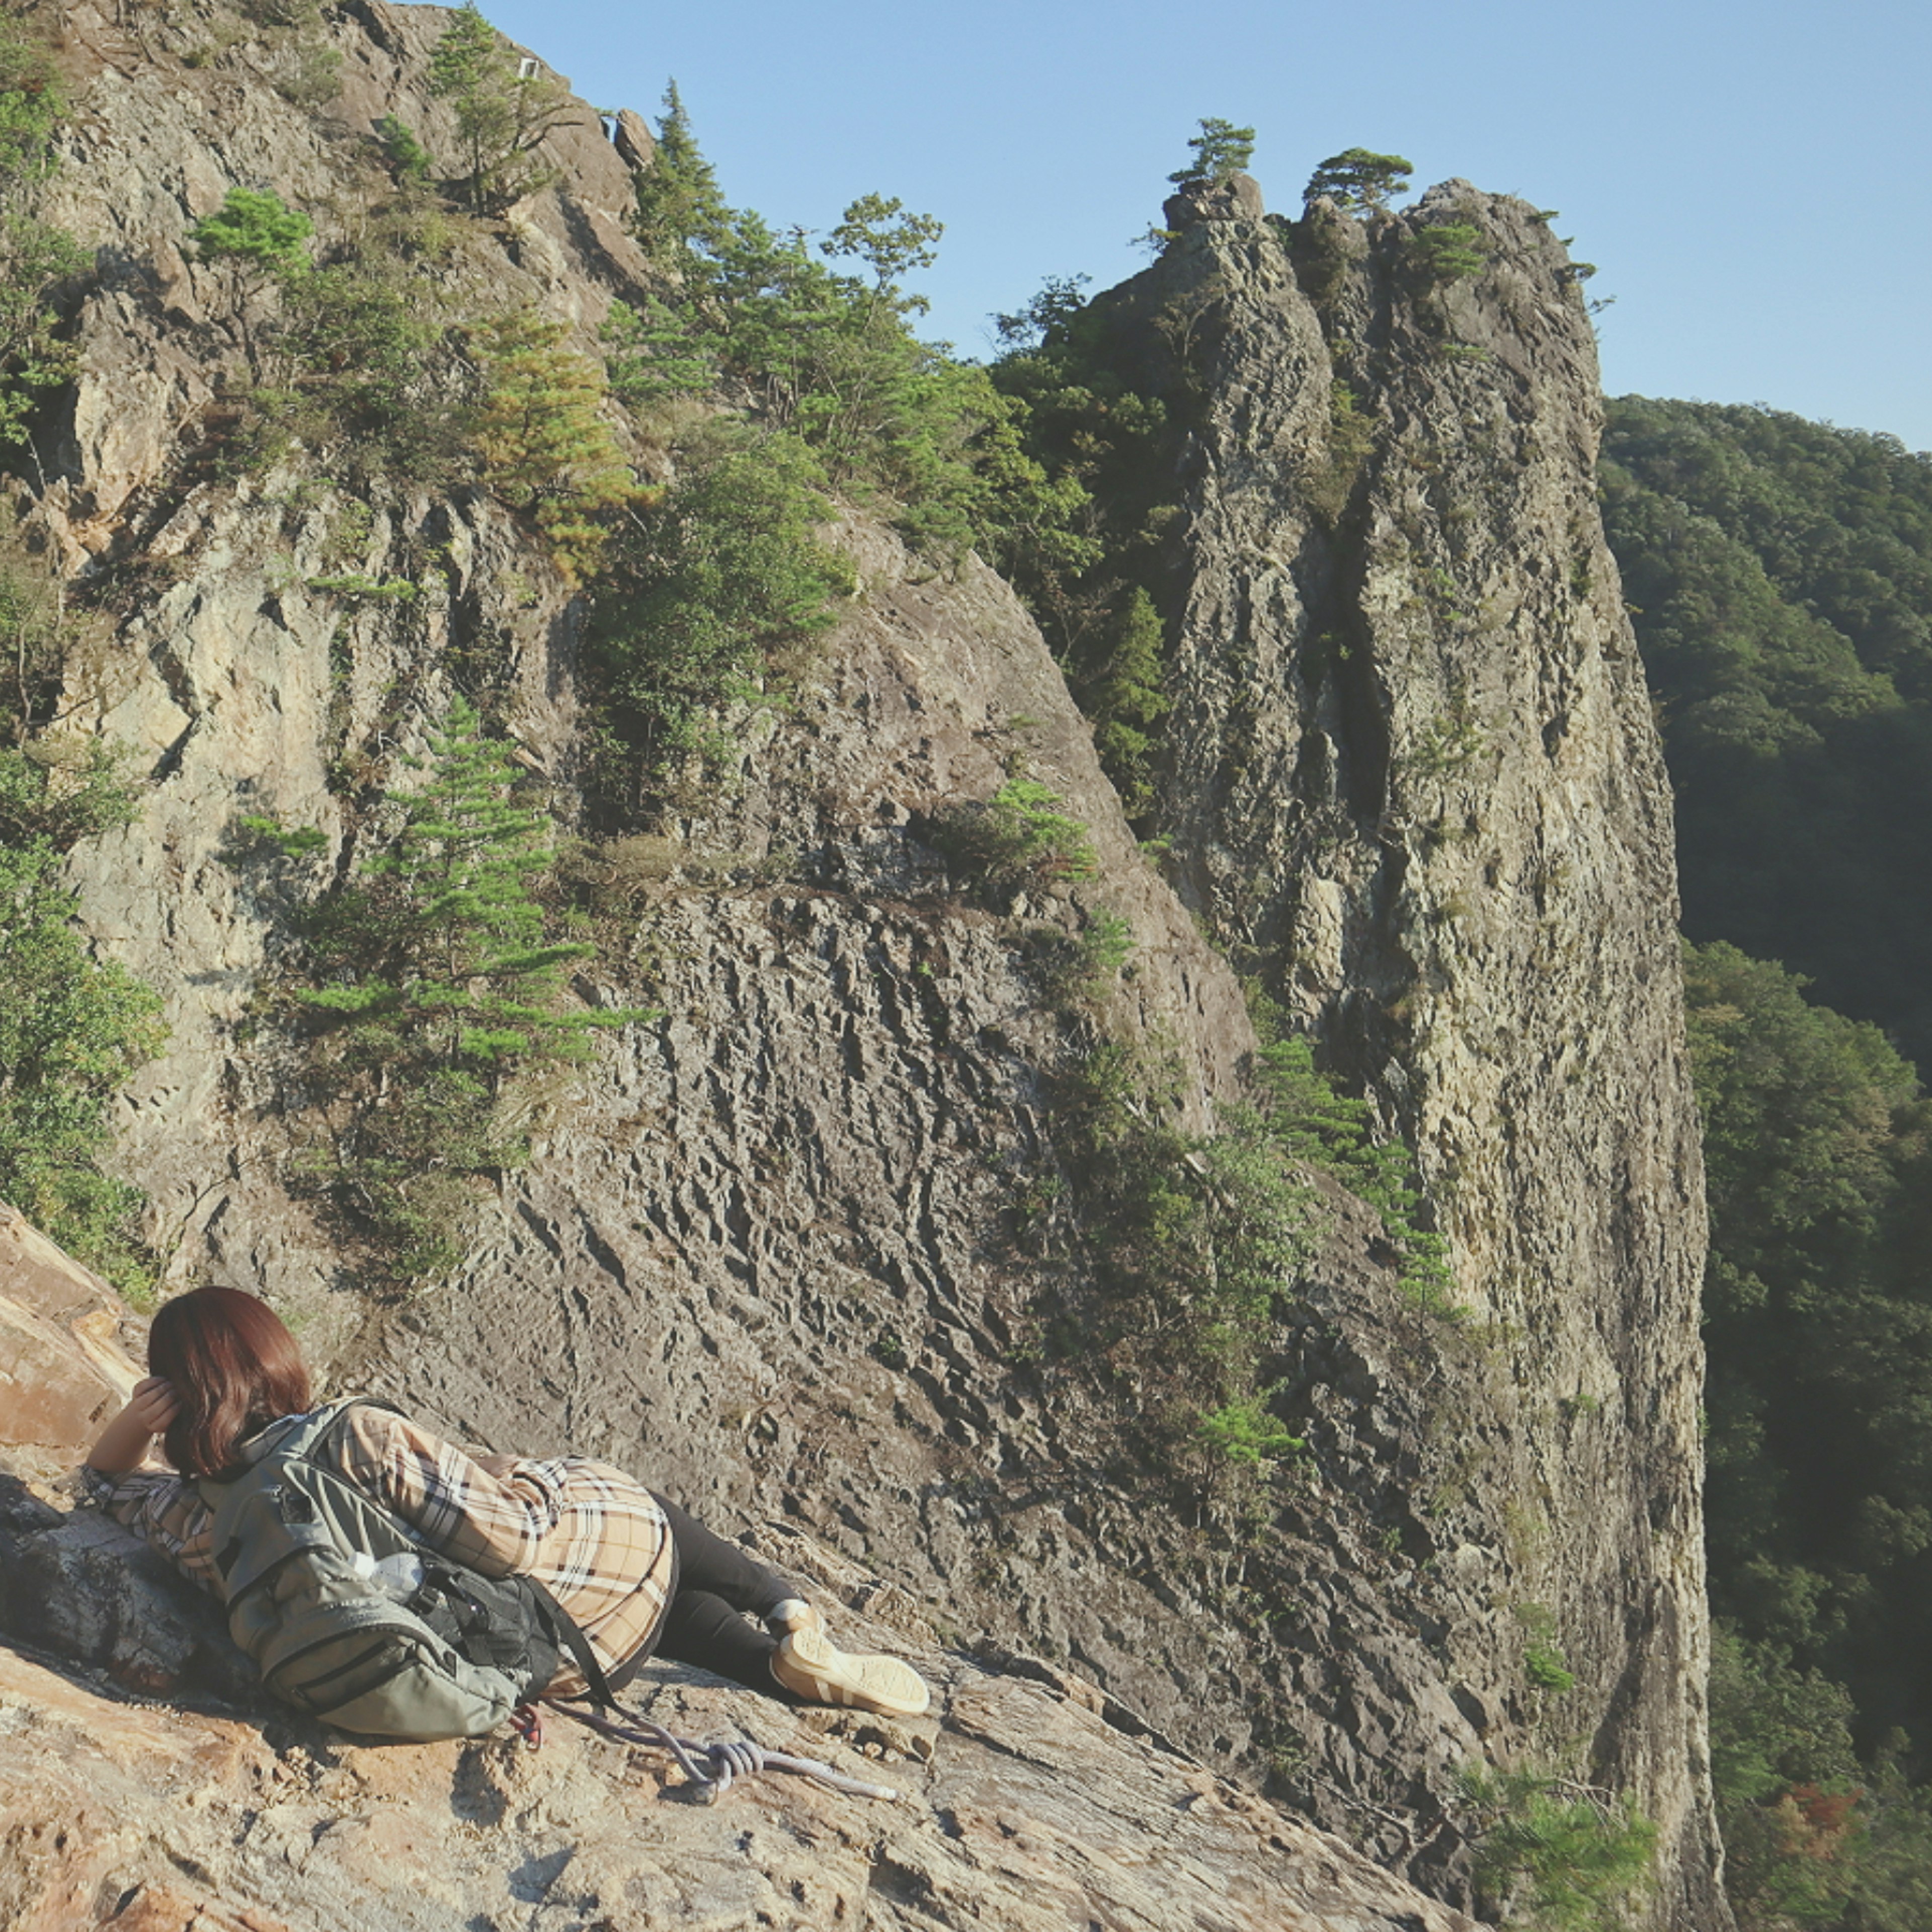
(593, 1536)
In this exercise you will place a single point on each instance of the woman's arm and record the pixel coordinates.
(124, 1443)
(156, 1504)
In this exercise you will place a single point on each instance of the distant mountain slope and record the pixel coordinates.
(1780, 572)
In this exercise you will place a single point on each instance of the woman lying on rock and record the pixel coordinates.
(637, 1576)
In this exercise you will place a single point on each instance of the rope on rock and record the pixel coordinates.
(713, 1768)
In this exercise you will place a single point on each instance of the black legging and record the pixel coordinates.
(713, 1584)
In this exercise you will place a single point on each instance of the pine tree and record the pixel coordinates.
(503, 113)
(1358, 180)
(1128, 704)
(441, 935)
(440, 987)
(73, 1029)
(256, 240)
(547, 449)
(681, 215)
(1220, 149)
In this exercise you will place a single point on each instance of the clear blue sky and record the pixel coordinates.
(1751, 180)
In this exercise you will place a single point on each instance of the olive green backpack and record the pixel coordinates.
(349, 1618)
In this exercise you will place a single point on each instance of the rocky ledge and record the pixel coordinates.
(144, 1788)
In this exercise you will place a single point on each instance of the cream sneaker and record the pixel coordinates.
(810, 1666)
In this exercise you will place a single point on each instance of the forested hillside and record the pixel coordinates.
(1781, 574)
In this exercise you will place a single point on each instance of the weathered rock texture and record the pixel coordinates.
(1414, 769)
(143, 1788)
(764, 1251)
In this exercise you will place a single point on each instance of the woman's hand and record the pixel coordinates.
(153, 1403)
(123, 1443)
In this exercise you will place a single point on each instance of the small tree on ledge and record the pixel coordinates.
(1220, 149)
(1360, 181)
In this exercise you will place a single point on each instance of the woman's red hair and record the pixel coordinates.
(233, 1366)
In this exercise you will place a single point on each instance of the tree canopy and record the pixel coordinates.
(1220, 149)
(1358, 179)
(1780, 573)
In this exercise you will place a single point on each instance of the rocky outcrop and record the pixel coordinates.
(145, 1788)
(764, 1250)
(1413, 768)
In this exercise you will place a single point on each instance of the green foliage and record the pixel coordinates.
(1449, 251)
(72, 1030)
(653, 358)
(1128, 704)
(56, 796)
(1360, 181)
(1191, 1240)
(35, 631)
(1788, 1784)
(1314, 1123)
(1075, 970)
(408, 159)
(258, 234)
(681, 219)
(828, 357)
(437, 987)
(722, 575)
(369, 384)
(1220, 149)
(1020, 836)
(359, 584)
(35, 257)
(1555, 1856)
(1544, 1663)
(1818, 1315)
(1244, 1432)
(1546, 1668)
(1102, 452)
(267, 832)
(547, 449)
(1781, 574)
(502, 114)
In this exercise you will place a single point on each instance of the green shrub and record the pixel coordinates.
(1544, 1664)
(1127, 704)
(1554, 1856)
(72, 1030)
(1449, 251)
(58, 794)
(1018, 837)
(35, 257)
(711, 584)
(1243, 1431)
(1074, 970)
(1313, 1123)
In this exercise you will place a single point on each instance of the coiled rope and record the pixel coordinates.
(711, 1769)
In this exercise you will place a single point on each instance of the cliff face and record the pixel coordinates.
(764, 1250)
(1414, 770)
